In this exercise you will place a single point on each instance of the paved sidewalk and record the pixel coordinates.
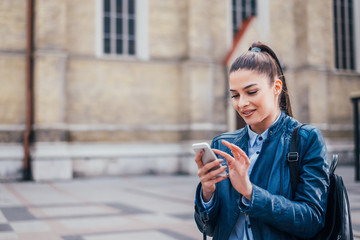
(136, 208)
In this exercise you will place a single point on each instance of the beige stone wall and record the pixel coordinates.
(208, 31)
(80, 27)
(168, 26)
(126, 93)
(50, 24)
(283, 30)
(320, 33)
(194, 29)
(50, 63)
(130, 93)
(340, 86)
(49, 88)
(135, 98)
(12, 61)
(12, 90)
(13, 25)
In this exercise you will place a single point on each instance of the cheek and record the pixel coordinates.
(235, 104)
(270, 101)
(265, 101)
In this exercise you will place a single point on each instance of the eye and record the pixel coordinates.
(252, 92)
(235, 96)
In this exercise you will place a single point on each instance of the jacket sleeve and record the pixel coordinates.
(206, 218)
(304, 216)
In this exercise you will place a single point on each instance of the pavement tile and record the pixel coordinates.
(90, 223)
(142, 235)
(39, 236)
(6, 197)
(8, 236)
(184, 216)
(355, 217)
(30, 226)
(5, 228)
(75, 237)
(2, 218)
(17, 214)
(68, 211)
(157, 220)
(127, 209)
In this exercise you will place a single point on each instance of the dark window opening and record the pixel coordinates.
(119, 30)
(242, 10)
(344, 34)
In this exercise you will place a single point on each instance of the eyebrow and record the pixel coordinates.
(248, 86)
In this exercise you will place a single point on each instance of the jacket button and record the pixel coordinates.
(270, 132)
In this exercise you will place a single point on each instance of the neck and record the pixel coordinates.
(266, 123)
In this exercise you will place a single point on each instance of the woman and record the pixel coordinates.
(255, 200)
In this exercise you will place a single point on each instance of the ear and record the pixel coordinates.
(277, 87)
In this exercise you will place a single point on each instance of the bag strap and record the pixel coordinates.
(334, 162)
(293, 160)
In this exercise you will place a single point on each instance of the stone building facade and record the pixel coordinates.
(116, 114)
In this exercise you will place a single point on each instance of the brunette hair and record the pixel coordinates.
(262, 59)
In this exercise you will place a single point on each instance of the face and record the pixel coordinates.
(255, 98)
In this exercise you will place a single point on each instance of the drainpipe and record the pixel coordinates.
(29, 90)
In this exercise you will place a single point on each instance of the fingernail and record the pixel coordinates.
(220, 160)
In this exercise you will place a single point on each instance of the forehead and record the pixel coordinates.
(242, 78)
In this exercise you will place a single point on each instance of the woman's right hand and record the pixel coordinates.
(209, 179)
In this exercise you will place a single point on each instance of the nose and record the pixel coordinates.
(243, 101)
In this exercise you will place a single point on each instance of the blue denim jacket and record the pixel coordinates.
(274, 213)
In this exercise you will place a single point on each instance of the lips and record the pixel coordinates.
(248, 113)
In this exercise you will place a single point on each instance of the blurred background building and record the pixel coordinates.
(116, 87)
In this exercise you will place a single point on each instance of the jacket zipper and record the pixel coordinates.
(204, 225)
(247, 226)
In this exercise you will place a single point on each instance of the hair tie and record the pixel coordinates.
(255, 49)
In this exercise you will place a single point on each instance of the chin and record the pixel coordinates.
(252, 120)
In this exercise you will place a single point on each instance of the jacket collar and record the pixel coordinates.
(273, 130)
(278, 126)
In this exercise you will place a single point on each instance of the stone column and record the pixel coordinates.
(49, 89)
(203, 83)
(202, 71)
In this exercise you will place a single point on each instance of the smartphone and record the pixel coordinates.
(208, 156)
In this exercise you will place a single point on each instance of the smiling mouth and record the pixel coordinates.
(248, 113)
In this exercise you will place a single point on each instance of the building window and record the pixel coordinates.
(242, 10)
(344, 34)
(119, 27)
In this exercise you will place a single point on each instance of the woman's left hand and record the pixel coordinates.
(238, 169)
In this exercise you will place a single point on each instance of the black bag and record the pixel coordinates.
(337, 218)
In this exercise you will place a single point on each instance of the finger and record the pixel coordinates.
(242, 154)
(227, 157)
(207, 167)
(234, 147)
(198, 160)
(238, 153)
(218, 179)
(233, 150)
(212, 177)
(215, 173)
